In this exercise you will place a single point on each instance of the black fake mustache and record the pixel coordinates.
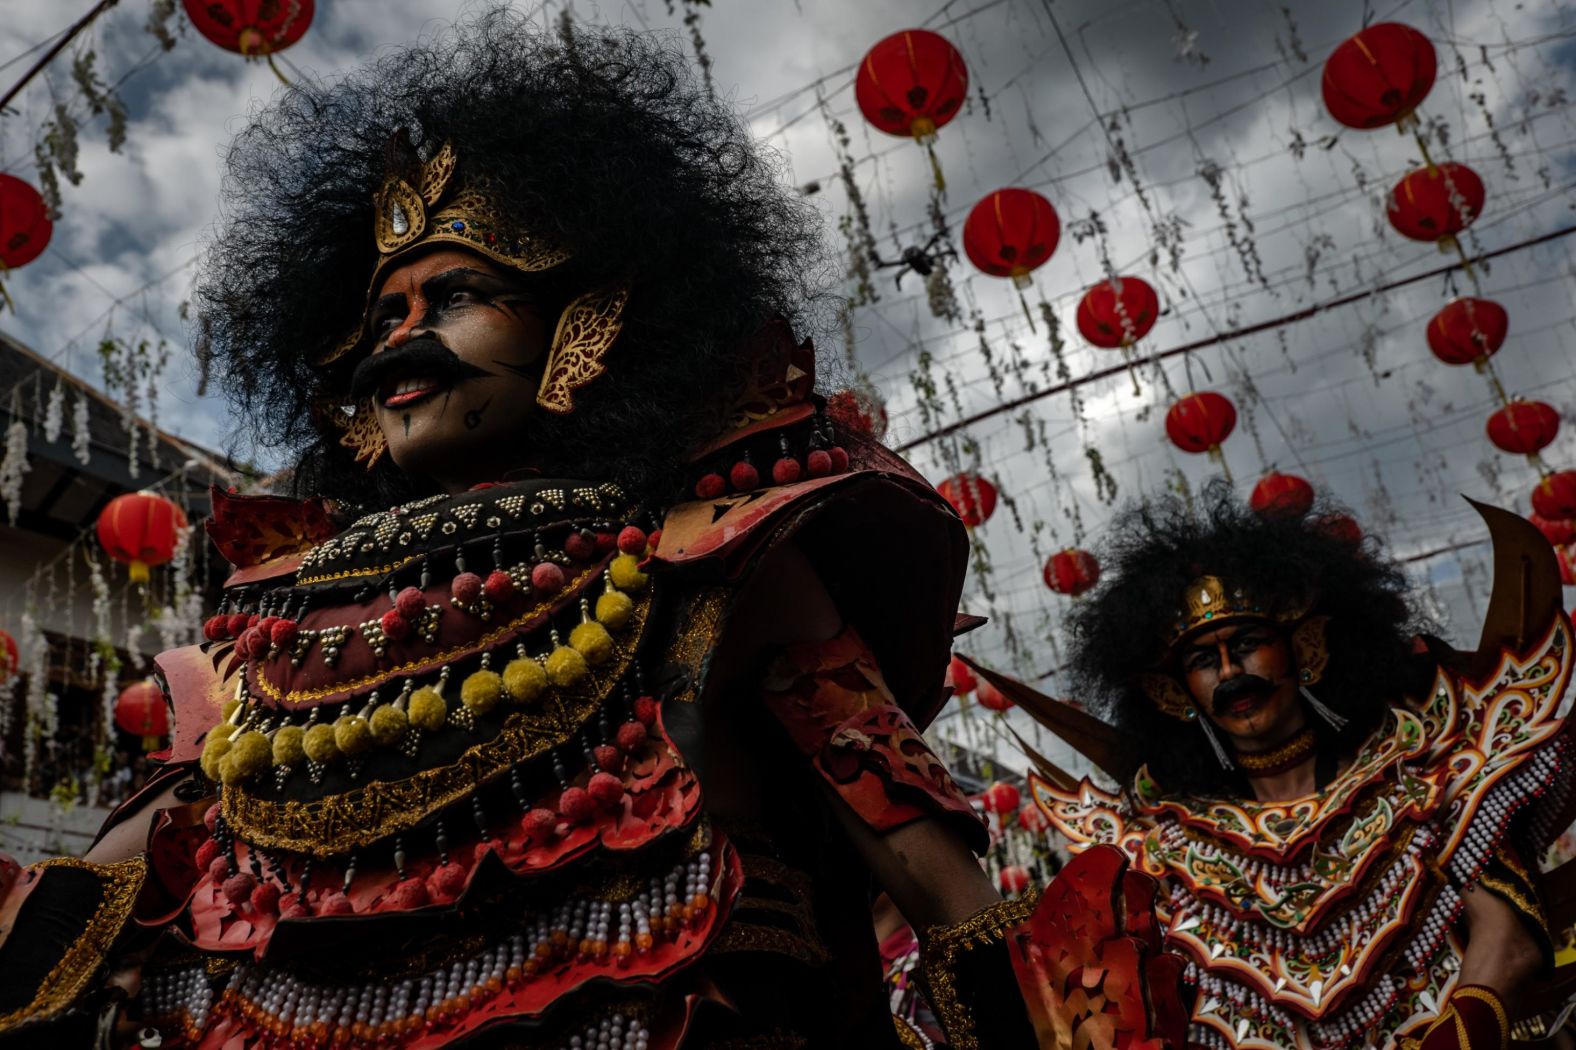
(1230, 691)
(424, 355)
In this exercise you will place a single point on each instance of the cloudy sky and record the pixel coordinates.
(1181, 140)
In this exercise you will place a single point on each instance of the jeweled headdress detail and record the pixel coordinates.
(1209, 601)
(434, 202)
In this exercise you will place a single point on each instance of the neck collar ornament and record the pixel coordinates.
(1281, 759)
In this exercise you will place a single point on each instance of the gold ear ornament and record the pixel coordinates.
(586, 331)
(1169, 695)
(361, 433)
(1310, 650)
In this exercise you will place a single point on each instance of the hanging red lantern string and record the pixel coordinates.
(25, 227)
(1341, 527)
(1380, 76)
(960, 678)
(1558, 533)
(1567, 571)
(1524, 428)
(252, 28)
(991, 698)
(971, 496)
(1001, 798)
(1071, 572)
(1201, 423)
(10, 656)
(141, 711)
(1014, 879)
(913, 83)
(1554, 496)
(1470, 331)
(1435, 204)
(1281, 495)
(1030, 819)
(1011, 233)
(141, 530)
(1116, 314)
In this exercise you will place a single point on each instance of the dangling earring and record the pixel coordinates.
(1214, 742)
(586, 331)
(1312, 654)
(362, 435)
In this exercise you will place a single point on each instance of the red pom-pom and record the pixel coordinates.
(576, 805)
(499, 586)
(447, 882)
(412, 893)
(839, 456)
(818, 464)
(216, 628)
(605, 789)
(786, 471)
(205, 854)
(290, 907)
(284, 633)
(410, 602)
(654, 539)
(210, 817)
(632, 540)
(540, 824)
(219, 869)
(253, 619)
(394, 625)
(710, 486)
(466, 587)
(605, 542)
(266, 625)
(631, 735)
(336, 904)
(547, 578)
(608, 757)
(645, 710)
(744, 476)
(580, 546)
(238, 887)
(254, 643)
(265, 898)
(235, 625)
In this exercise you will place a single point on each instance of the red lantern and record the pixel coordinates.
(991, 698)
(1567, 571)
(1278, 495)
(141, 530)
(1435, 204)
(1118, 312)
(911, 83)
(1011, 233)
(1558, 533)
(1200, 422)
(1468, 331)
(1340, 527)
(971, 496)
(1071, 572)
(960, 678)
(25, 228)
(251, 27)
(1031, 819)
(1001, 798)
(10, 657)
(858, 412)
(141, 711)
(1523, 427)
(1379, 76)
(1014, 879)
(1555, 496)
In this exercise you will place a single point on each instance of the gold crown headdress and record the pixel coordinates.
(445, 206)
(1210, 601)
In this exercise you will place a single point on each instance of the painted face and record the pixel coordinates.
(458, 350)
(1242, 676)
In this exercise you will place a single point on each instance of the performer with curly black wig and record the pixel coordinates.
(1346, 815)
(572, 706)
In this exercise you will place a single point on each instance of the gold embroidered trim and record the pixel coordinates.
(698, 638)
(339, 823)
(1513, 895)
(907, 1036)
(942, 950)
(354, 574)
(121, 882)
(748, 937)
(387, 674)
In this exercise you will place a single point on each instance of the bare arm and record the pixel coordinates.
(1501, 955)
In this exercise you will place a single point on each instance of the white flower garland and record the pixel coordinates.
(13, 466)
(55, 411)
(81, 435)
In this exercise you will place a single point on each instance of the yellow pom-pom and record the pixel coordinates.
(288, 749)
(229, 708)
(614, 609)
(388, 725)
(481, 691)
(525, 679)
(566, 666)
(213, 752)
(247, 757)
(625, 573)
(427, 709)
(219, 732)
(591, 640)
(352, 734)
(319, 743)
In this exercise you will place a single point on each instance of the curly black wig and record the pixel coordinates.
(1155, 549)
(604, 142)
